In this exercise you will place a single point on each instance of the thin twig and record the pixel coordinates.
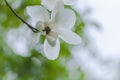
(32, 28)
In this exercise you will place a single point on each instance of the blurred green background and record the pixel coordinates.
(35, 66)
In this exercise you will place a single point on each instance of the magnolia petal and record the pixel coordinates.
(59, 5)
(69, 36)
(49, 4)
(38, 12)
(69, 2)
(51, 52)
(58, 8)
(34, 22)
(52, 37)
(65, 18)
(39, 26)
(35, 37)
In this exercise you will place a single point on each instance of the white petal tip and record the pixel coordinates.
(51, 58)
(69, 36)
(51, 52)
(77, 41)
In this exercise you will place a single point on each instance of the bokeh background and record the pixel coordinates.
(96, 58)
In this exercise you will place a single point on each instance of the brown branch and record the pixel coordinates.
(32, 28)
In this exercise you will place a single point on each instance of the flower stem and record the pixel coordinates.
(32, 28)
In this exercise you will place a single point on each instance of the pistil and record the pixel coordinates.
(47, 30)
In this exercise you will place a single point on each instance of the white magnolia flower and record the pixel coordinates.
(54, 25)
(50, 4)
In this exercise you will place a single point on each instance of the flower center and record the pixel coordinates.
(47, 29)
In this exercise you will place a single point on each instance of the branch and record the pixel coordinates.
(32, 28)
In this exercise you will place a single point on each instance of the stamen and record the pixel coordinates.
(47, 30)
